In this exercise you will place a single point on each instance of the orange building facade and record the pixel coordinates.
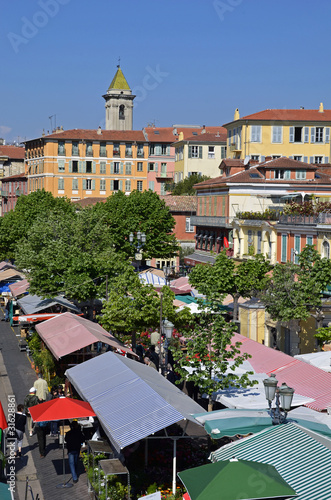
(87, 163)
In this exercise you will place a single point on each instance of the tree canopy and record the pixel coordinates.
(227, 277)
(140, 211)
(185, 187)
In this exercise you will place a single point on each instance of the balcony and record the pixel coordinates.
(116, 152)
(210, 221)
(140, 154)
(302, 220)
(234, 147)
(89, 153)
(164, 175)
(128, 153)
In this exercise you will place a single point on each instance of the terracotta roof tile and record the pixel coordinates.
(93, 200)
(208, 137)
(94, 135)
(13, 177)
(160, 134)
(180, 203)
(13, 152)
(306, 115)
(288, 163)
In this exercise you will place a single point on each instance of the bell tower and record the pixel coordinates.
(119, 103)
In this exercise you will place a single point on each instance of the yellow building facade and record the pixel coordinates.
(301, 134)
(87, 163)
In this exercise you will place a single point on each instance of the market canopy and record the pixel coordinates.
(67, 333)
(300, 459)
(19, 288)
(31, 304)
(10, 274)
(131, 399)
(321, 359)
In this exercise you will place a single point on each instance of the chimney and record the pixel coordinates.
(203, 131)
(99, 131)
(268, 158)
(181, 136)
(43, 134)
(321, 108)
(236, 114)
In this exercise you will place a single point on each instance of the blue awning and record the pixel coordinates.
(131, 400)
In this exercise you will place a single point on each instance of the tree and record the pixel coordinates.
(295, 291)
(185, 187)
(211, 356)
(71, 254)
(15, 224)
(140, 211)
(134, 307)
(226, 277)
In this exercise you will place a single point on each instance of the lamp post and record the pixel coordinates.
(138, 245)
(168, 272)
(284, 397)
(167, 329)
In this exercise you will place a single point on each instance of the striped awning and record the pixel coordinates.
(131, 399)
(150, 278)
(302, 461)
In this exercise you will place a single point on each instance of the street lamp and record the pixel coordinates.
(138, 245)
(168, 272)
(167, 330)
(284, 397)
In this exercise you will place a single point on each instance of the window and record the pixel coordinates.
(188, 227)
(259, 241)
(211, 152)
(274, 157)
(127, 168)
(319, 134)
(139, 166)
(60, 184)
(284, 248)
(277, 134)
(88, 184)
(61, 148)
(102, 184)
(223, 152)
(195, 151)
(61, 165)
(116, 149)
(279, 174)
(163, 190)
(300, 174)
(326, 250)
(89, 149)
(151, 167)
(297, 158)
(139, 185)
(116, 167)
(297, 134)
(75, 166)
(140, 150)
(180, 153)
(102, 167)
(256, 133)
(151, 185)
(309, 240)
(74, 184)
(88, 167)
(297, 248)
(128, 150)
(75, 149)
(318, 159)
(152, 149)
(164, 149)
(255, 157)
(115, 185)
(163, 169)
(121, 112)
(127, 185)
(103, 151)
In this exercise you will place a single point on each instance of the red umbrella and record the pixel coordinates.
(3, 421)
(61, 409)
(186, 496)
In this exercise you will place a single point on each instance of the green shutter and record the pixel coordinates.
(111, 185)
(121, 170)
(200, 151)
(190, 151)
(168, 150)
(121, 185)
(112, 167)
(70, 166)
(155, 167)
(84, 184)
(80, 166)
(93, 184)
(94, 168)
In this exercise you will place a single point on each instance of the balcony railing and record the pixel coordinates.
(205, 220)
(303, 220)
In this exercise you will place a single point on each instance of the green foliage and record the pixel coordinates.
(225, 277)
(296, 290)
(71, 254)
(16, 224)
(308, 208)
(185, 187)
(211, 356)
(140, 211)
(267, 214)
(323, 335)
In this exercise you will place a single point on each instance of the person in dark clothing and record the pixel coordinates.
(30, 400)
(154, 356)
(20, 421)
(54, 426)
(41, 431)
(74, 439)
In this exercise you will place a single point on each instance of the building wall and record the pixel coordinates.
(205, 165)
(304, 236)
(162, 172)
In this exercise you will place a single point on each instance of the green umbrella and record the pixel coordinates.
(235, 480)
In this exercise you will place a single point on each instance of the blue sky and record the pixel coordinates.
(189, 61)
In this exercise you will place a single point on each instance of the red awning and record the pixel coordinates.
(68, 333)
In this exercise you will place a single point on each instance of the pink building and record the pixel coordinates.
(12, 187)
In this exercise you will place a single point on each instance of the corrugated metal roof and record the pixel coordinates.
(32, 304)
(131, 400)
(302, 461)
(305, 379)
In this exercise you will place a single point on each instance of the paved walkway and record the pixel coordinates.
(16, 377)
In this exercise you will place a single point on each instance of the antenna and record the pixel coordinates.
(51, 120)
(246, 160)
(119, 61)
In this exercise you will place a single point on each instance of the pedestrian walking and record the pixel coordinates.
(20, 421)
(30, 400)
(54, 426)
(41, 387)
(7, 309)
(41, 431)
(74, 439)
